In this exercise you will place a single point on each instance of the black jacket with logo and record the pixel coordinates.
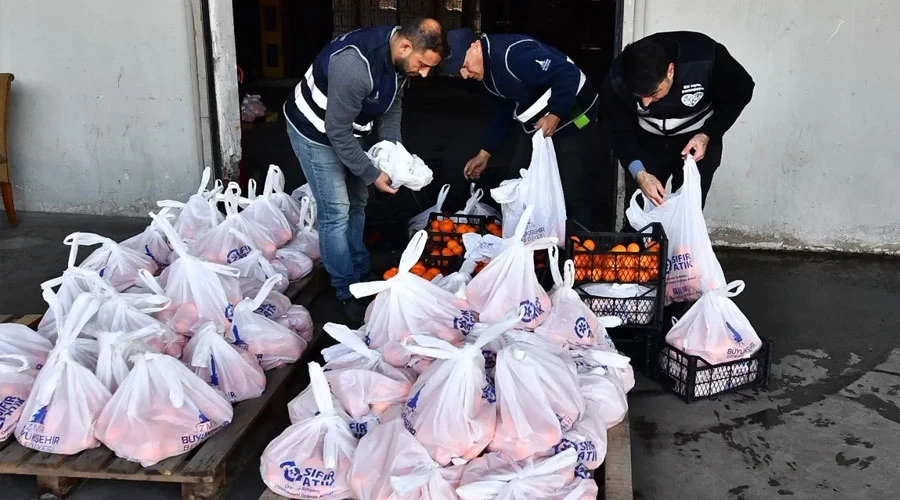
(709, 92)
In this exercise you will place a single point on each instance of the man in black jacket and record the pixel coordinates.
(668, 95)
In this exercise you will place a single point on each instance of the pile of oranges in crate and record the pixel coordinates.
(446, 237)
(620, 264)
(419, 270)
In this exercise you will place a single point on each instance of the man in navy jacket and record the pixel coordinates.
(534, 86)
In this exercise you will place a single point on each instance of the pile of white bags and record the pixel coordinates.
(105, 365)
(403, 168)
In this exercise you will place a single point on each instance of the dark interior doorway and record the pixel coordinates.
(443, 118)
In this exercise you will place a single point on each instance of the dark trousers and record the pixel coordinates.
(663, 160)
(581, 155)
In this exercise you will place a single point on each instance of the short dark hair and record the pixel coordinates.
(425, 34)
(645, 64)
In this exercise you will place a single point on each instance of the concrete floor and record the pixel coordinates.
(826, 429)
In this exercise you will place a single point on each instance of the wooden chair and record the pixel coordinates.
(5, 187)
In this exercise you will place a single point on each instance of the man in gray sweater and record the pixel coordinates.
(354, 85)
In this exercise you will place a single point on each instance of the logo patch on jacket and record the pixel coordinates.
(692, 94)
(543, 64)
(373, 98)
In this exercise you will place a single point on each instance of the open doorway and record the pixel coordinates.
(443, 117)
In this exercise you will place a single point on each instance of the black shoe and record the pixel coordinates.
(355, 310)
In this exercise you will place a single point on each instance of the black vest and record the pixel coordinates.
(305, 109)
(689, 102)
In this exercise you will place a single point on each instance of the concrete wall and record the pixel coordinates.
(813, 160)
(104, 111)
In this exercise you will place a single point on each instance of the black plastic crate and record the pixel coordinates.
(596, 262)
(438, 240)
(692, 377)
(639, 344)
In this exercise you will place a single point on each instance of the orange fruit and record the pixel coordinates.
(574, 238)
(446, 226)
(634, 247)
(582, 261)
(590, 245)
(627, 262)
(609, 274)
(436, 253)
(435, 225)
(390, 273)
(596, 275)
(643, 276)
(619, 248)
(452, 244)
(653, 246)
(447, 252)
(626, 275)
(462, 228)
(458, 250)
(579, 248)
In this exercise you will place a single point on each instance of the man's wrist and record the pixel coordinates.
(636, 167)
(484, 154)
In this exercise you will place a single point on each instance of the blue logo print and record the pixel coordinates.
(203, 419)
(213, 376)
(465, 323)
(229, 313)
(563, 445)
(409, 412)
(148, 253)
(532, 309)
(582, 471)
(582, 328)
(308, 476)
(237, 254)
(267, 310)
(359, 429)
(737, 336)
(39, 416)
(368, 339)
(489, 392)
(8, 406)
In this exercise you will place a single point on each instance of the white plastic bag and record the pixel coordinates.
(360, 378)
(390, 464)
(298, 319)
(255, 267)
(715, 329)
(73, 282)
(604, 396)
(274, 190)
(200, 212)
(67, 398)
(403, 168)
(307, 238)
(304, 407)
(161, 410)
(481, 248)
(311, 459)
(304, 192)
(115, 263)
(509, 281)
(475, 207)
(152, 242)
(200, 290)
(297, 263)
(116, 349)
(16, 380)
(495, 477)
(220, 245)
(571, 322)
(19, 340)
(274, 304)
(451, 408)
(455, 283)
(267, 213)
(691, 264)
(230, 369)
(539, 187)
(538, 397)
(408, 304)
(420, 221)
(272, 344)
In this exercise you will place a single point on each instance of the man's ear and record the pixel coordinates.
(671, 72)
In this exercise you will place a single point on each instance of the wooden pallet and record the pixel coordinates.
(617, 467)
(202, 471)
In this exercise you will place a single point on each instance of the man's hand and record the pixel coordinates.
(476, 165)
(548, 124)
(651, 187)
(383, 184)
(698, 143)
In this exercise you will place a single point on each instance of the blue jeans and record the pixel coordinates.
(341, 201)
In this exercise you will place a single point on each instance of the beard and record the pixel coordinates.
(402, 66)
